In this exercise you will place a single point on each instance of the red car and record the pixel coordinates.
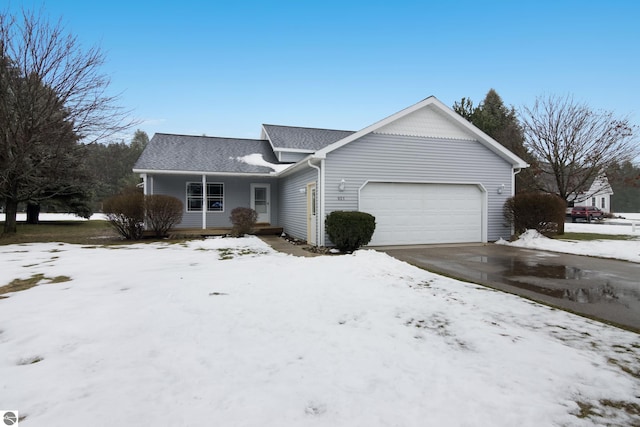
(586, 212)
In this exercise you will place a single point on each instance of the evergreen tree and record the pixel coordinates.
(112, 164)
(624, 179)
(501, 123)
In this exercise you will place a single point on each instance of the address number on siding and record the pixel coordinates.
(342, 198)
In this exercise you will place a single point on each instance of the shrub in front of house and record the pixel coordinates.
(243, 220)
(162, 213)
(350, 230)
(125, 213)
(536, 211)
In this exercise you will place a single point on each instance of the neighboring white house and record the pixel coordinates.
(599, 194)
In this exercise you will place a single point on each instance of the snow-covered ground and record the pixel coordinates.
(628, 250)
(226, 332)
(56, 217)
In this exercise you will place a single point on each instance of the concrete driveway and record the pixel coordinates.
(608, 290)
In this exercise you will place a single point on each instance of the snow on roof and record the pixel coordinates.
(256, 159)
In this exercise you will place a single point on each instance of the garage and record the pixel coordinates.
(418, 213)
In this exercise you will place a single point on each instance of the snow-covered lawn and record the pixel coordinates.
(225, 332)
(628, 250)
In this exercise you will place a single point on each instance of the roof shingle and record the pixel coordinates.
(203, 153)
(309, 139)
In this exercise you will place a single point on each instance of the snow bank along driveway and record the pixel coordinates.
(225, 332)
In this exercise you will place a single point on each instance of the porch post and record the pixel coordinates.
(143, 176)
(204, 202)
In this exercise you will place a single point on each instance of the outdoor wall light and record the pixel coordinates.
(341, 185)
(500, 188)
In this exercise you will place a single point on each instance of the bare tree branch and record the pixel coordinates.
(52, 95)
(574, 143)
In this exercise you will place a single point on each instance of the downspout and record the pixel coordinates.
(320, 190)
(204, 202)
(516, 171)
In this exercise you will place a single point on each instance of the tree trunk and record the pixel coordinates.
(33, 213)
(561, 225)
(10, 210)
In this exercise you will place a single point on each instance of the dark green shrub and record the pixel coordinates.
(350, 230)
(125, 213)
(538, 211)
(162, 213)
(243, 220)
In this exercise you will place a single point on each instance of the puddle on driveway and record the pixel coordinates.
(604, 289)
(568, 283)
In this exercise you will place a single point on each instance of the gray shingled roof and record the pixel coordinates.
(310, 139)
(203, 154)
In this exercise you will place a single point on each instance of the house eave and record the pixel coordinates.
(207, 173)
(303, 163)
(293, 150)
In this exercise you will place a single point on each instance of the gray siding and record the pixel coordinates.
(237, 192)
(293, 202)
(291, 157)
(377, 157)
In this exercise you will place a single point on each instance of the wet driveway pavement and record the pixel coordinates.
(605, 289)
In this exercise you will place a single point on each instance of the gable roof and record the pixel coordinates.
(204, 155)
(426, 111)
(227, 156)
(301, 139)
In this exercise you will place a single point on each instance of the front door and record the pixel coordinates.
(260, 194)
(311, 214)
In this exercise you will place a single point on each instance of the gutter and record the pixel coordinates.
(199, 173)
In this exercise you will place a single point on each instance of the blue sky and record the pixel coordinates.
(224, 68)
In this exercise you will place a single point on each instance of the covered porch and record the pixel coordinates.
(208, 199)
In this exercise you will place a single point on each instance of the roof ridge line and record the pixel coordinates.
(207, 136)
(307, 127)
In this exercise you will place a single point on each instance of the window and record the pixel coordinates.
(603, 203)
(593, 201)
(215, 197)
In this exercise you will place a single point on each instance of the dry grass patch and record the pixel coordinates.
(17, 285)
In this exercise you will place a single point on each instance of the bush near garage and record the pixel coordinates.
(125, 213)
(162, 212)
(243, 220)
(538, 211)
(350, 230)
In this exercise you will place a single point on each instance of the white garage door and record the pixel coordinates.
(423, 213)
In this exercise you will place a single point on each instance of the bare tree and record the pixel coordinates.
(574, 144)
(52, 96)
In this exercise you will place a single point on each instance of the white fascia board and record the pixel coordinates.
(294, 150)
(265, 135)
(177, 172)
(432, 100)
